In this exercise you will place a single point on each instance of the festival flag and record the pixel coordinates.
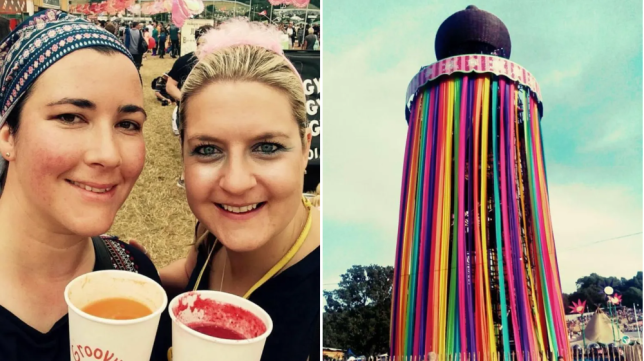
(578, 307)
(296, 3)
(109, 7)
(119, 5)
(615, 299)
(167, 4)
(12, 6)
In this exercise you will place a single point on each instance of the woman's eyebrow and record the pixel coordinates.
(131, 108)
(88, 104)
(81, 103)
(270, 135)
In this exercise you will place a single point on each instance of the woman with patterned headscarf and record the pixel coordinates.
(71, 150)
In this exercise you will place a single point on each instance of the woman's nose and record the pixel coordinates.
(103, 148)
(238, 177)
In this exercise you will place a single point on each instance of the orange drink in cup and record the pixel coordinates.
(113, 315)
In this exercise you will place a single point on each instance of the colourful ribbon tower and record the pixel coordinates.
(476, 272)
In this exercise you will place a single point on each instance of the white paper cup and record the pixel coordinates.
(93, 338)
(190, 345)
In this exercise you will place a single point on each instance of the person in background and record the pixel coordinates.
(291, 33)
(4, 28)
(174, 38)
(179, 73)
(110, 27)
(163, 35)
(121, 31)
(146, 38)
(300, 35)
(150, 27)
(309, 40)
(152, 45)
(162, 95)
(135, 43)
(155, 35)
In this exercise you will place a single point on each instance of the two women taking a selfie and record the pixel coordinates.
(72, 150)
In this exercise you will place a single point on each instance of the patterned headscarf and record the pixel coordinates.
(38, 43)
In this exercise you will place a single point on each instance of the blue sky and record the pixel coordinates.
(588, 62)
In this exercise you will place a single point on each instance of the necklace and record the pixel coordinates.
(223, 273)
(277, 267)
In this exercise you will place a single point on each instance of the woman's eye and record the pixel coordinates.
(267, 148)
(205, 150)
(128, 125)
(69, 118)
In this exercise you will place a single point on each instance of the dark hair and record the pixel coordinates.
(4, 28)
(110, 27)
(134, 24)
(202, 30)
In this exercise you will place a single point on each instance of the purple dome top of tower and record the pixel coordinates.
(472, 31)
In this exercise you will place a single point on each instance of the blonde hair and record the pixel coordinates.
(315, 201)
(246, 63)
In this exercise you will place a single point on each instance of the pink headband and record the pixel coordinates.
(239, 31)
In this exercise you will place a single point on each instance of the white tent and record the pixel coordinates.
(600, 330)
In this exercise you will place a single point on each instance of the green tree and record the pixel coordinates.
(357, 314)
(591, 289)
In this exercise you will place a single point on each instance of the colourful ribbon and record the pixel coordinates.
(475, 269)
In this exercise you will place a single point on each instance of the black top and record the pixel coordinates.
(182, 67)
(292, 299)
(19, 341)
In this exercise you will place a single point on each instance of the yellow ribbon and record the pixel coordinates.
(279, 265)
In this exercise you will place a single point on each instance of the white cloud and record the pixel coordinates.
(365, 132)
(558, 76)
(583, 214)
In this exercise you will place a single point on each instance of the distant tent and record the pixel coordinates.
(576, 328)
(600, 330)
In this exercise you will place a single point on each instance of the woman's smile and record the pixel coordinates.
(94, 191)
(241, 213)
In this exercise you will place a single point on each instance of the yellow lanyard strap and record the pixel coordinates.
(279, 265)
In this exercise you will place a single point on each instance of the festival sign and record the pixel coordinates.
(188, 43)
(308, 65)
(13, 7)
(53, 4)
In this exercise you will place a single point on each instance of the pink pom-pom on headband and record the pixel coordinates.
(240, 31)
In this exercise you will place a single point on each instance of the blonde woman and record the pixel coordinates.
(245, 144)
(315, 201)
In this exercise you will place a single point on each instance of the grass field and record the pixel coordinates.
(156, 214)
